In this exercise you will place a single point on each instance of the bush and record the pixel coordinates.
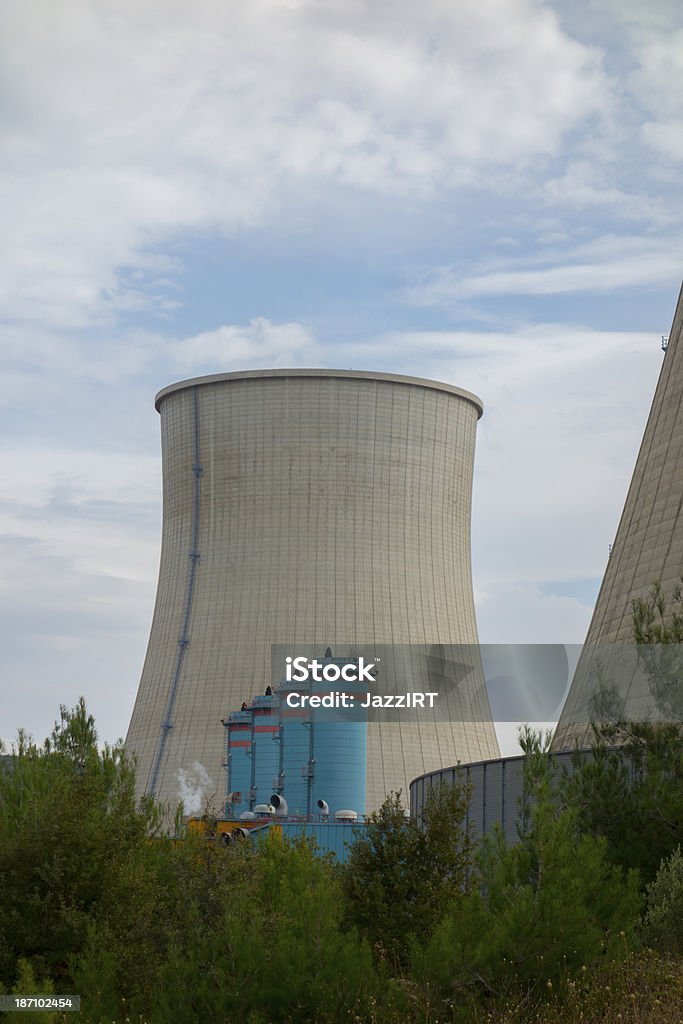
(543, 911)
(640, 988)
(663, 925)
(68, 824)
(259, 938)
(631, 792)
(401, 875)
(540, 911)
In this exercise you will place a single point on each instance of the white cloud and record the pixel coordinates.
(520, 613)
(653, 84)
(588, 183)
(660, 83)
(96, 507)
(69, 629)
(127, 123)
(607, 264)
(656, 15)
(666, 137)
(79, 546)
(260, 343)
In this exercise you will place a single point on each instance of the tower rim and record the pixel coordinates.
(319, 373)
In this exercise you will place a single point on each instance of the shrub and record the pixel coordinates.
(401, 875)
(541, 910)
(663, 925)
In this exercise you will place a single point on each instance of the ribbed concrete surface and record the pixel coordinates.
(303, 507)
(648, 548)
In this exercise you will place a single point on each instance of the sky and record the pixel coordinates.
(484, 192)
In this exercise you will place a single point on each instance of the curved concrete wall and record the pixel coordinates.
(648, 548)
(306, 507)
(497, 791)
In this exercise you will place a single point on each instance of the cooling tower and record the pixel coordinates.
(648, 549)
(323, 507)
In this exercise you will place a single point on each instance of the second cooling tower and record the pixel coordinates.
(611, 680)
(300, 507)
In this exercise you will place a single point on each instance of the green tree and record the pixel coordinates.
(69, 825)
(539, 910)
(401, 874)
(251, 932)
(631, 793)
(28, 984)
(663, 923)
(258, 936)
(631, 790)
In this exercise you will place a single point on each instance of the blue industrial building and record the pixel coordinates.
(314, 758)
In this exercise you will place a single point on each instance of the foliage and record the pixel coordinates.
(288, 957)
(68, 825)
(401, 874)
(658, 619)
(631, 790)
(663, 925)
(639, 988)
(28, 984)
(255, 934)
(157, 931)
(541, 909)
(631, 793)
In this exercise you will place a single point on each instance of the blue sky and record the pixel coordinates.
(487, 193)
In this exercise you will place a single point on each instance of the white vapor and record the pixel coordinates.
(195, 788)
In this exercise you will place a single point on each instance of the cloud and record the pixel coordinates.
(128, 124)
(589, 184)
(260, 343)
(97, 507)
(660, 83)
(607, 264)
(666, 137)
(71, 627)
(652, 82)
(657, 15)
(519, 613)
(79, 553)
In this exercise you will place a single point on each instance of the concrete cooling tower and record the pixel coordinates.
(313, 507)
(648, 548)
